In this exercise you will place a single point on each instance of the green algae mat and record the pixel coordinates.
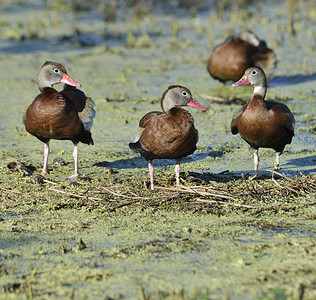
(220, 234)
(117, 240)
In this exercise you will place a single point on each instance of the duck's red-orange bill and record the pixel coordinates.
(195, 104)
(68, 80)
(243, 81)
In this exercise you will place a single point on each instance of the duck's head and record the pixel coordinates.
(52, 73)
(255, 77)
(177, 95)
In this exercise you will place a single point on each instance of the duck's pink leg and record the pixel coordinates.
(151, 174)
(46, 154)
(256, 160)
(75, 155)
(177, 170)
(277, 161)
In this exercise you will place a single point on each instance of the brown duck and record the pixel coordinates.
(261, 123)
(168, 134)
(230, 59)
(65, 115)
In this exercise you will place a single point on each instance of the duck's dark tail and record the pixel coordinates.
(136, 147)
(85, 137)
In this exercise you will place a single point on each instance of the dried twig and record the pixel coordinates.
(11, 191)
(285, 187)
(51, 182)
(125, 196)
(276, 183)
(282, 175)
(213, 98)
(76, 195)
(226, 203)
(206, 194)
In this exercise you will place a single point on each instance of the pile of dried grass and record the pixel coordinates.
(269, 194)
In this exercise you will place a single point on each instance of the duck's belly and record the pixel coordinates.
(172, 147)
(53, 124)
(261, 132)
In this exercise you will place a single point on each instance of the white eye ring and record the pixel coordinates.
(254, 72)
(184, 93)
(56, 70)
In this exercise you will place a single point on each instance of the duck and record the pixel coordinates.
(262, 123)
(170, 133)
(230, 59)
(64, 115)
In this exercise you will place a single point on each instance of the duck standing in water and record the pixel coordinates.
(261, 123)
(230, 59)
(169, 134)
(65, 115)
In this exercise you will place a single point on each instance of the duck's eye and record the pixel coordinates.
(254, 72)
(56, 70)
(184, 93)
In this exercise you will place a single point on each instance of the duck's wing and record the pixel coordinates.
(286, 116)
(83, 104)
(236, 115)
(249, 37)
(77, 97)
(144, 122)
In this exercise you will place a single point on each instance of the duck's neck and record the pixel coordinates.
(42, 84)
(46, 91)
(260, 90)
(167, 104)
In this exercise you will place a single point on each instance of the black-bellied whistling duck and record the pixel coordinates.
(170, 133)
(230, 59)
(65, 115)
(262, 124)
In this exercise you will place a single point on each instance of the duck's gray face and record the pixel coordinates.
(181, 96)
(53, 73)
(177, 95)
(253, 76)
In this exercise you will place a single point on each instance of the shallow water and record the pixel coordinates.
(125, 66)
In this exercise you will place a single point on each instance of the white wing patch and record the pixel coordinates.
(139, 134)
(87, 115)
(249, 37)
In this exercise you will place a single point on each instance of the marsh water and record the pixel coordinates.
(125, 55)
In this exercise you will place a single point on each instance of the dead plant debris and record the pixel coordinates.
(283, 193)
